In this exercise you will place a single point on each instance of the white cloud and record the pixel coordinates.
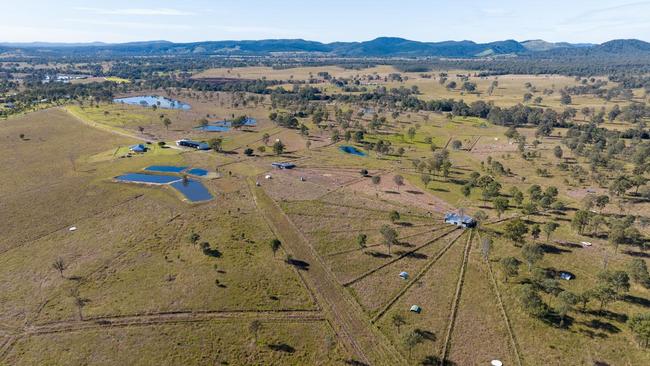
(137, 11)
(133, 25)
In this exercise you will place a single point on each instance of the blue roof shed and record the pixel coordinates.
(139, 148)
(458, 220)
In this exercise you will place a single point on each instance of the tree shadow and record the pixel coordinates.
(607, 314)
(567, 244)
(551, 249)
(426, 335)
(636, 254)
(282, 347)
(637, 300)
(435, 361)
(377, 254)
(354, 362)
(598, 324)
(299, 264)
(416, 255)
(414, 192)
(211, 252)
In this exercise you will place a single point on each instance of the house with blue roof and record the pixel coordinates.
(463, 221)
(284, 165)
(193, 144)
(139, 148)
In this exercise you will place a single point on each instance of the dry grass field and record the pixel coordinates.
(135, 289)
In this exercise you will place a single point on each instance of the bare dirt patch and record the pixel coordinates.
(408, 194)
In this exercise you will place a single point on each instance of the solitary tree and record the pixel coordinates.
(265, 138)
(275, 245)
(532, 254)
(166, 122)
(194, 238)
(390, 236)
(60, 265)
(515, 230)
(278, 147)
(399, 181)
(535, 231)
(640, 326)
(255, 327)
(398, 321)
(510, 267)
(426, 179)
(466, 189)
(216, 144)
(394, 216)
(362, 239)
(549, 228)
(565, 304)
(376, 180)
(412, 339)
(500, 205)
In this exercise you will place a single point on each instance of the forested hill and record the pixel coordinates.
(379, 47)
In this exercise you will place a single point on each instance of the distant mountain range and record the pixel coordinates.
(379, 47)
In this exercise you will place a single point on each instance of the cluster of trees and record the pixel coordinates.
(438, 164)
(619, 231)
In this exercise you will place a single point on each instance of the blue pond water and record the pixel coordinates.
(352, 150)
(193, 190)
(147, 178)
(198, 172)
(150, 100)
(165, 168)
(223, 126)
(213, 128)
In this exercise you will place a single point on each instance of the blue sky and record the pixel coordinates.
(325, 20)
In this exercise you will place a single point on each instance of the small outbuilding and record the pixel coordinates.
(463, 221)
(404, 275)
(193, 144)
(416, 309)
(566, 276)
(283, 165)
(139, 148)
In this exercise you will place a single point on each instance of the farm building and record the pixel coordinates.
(460, 220)
(139, 148)
(283, 165)
(193, 144)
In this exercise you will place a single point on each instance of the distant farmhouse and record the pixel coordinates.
(193, 144)
(283, 165)
(463, 221)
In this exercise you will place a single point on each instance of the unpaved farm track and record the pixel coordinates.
(366, 343)
(7, 342)
(454, 306)
(171, 317)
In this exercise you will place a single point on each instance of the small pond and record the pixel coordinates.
(150, 100)
(213, 128)
(198, 172)
(193, 190)
(165, 168)
(147, 178)
(223, 126)
(352, 150)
